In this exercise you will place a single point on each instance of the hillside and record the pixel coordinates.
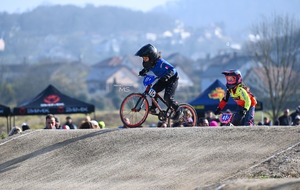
(151, 158)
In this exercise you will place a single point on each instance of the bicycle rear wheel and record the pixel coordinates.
(188, 117)
(134, 110)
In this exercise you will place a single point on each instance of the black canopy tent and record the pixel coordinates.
(5, 112)
(52, 101)
(211, 97)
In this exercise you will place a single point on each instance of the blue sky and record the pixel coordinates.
(17, 6)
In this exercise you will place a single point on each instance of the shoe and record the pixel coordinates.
(178, 113)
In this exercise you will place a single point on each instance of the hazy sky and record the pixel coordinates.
(13, 6)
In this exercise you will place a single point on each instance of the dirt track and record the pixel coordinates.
(146, 158)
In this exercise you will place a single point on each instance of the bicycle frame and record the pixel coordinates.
(157, 95)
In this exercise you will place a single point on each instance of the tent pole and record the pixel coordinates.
(7, 124)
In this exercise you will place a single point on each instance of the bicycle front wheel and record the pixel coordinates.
(134, 110)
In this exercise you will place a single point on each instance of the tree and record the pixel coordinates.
(276, 46)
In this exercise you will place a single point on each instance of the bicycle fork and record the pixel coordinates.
(139, 104)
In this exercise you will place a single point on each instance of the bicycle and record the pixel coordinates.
(134, 109)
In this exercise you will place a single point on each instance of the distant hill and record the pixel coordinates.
(104, 20)
(236, 16)
(194, 28)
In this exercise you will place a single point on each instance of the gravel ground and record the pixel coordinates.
(153, 159)
(279, 172)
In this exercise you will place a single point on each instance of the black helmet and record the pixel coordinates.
(233, 78)
(148, 51)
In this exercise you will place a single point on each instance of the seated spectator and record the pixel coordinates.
(284, 119)
(65, 127)
(213, 123)
(126, 120)
(101, 124)
(187, 119)
(296, 121)
(203, 122)
(211, 117)
(50, 122)
(295, 113)
(15, 130)
(25, 127)
(70, 123)
(95, 124)
(266, 122)
(57, 123)
(87, 118)
(86, 125)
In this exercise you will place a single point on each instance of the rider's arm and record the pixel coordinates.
(244, 98)
(224, 100)
(143, 72)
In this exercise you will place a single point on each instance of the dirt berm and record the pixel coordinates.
(147, 158)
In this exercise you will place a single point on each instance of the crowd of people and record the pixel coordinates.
(53, 122)
(210, 119)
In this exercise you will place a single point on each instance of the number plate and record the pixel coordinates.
(225, 118)
(152, 93)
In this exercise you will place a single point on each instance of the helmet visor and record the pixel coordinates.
(230, 79)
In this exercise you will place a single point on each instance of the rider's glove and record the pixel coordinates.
(143, 72)
(243, 112)
(218, 111)
(167, 76)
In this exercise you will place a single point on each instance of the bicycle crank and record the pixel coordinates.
(162, 116)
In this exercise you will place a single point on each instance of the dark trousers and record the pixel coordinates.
(248, 120)
(170, 87)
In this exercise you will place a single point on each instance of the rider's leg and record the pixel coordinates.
(169, 96)
(249, 117)
(237, 119)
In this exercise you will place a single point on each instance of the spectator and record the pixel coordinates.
(187, 119)
(70, 123)
(126, 120)
(285, 119)
(296, 121)
(86, 119)
(211, 117)
(86, 125)
(25, 127)
(95, 124)
(295, 113)
(213, 123)
(50, 122)
(65, 127)
(57, 123)
(203, 122)
(266, 122)
(15, 130)
(101, 124)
